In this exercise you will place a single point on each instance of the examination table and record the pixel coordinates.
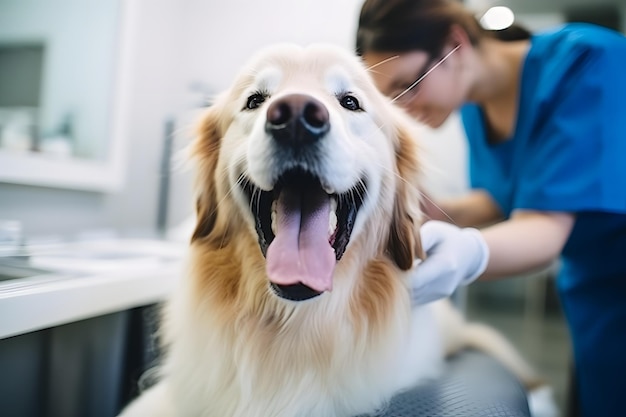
(472, 385)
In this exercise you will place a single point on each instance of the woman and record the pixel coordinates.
(545, 117)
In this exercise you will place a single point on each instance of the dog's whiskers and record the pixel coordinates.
(362, 190)
(256, 194)
(391, 58)
(227, 194)
(430, 200)
(422, 194)
(419, 80)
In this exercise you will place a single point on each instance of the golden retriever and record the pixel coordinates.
(296, 300)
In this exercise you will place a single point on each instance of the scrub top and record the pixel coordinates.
(568, 153)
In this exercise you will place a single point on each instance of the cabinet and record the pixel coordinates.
(87, 368)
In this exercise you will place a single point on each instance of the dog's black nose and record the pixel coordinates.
(297, 119)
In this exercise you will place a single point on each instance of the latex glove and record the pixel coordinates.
(454, 257)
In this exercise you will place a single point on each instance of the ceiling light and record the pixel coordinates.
(497, 18)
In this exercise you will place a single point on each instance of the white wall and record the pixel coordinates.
(222, 35)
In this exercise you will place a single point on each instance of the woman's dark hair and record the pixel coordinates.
(514, 32)
(405, 25)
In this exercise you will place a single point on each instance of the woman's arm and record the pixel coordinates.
(529, 240)
(457, 256)
(474, 209)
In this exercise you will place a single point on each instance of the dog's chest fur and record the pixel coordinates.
(321, 358)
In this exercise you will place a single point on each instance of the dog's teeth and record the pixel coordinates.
(332, 223)
(274, 217)
(332, 220)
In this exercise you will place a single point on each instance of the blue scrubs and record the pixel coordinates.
(568, 153)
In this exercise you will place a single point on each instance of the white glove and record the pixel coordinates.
(454, 257)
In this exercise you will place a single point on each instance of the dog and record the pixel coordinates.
(296, 300)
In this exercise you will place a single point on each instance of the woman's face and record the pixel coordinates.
(441, 88)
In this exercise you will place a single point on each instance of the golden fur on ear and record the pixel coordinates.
(205, 151)
(404, 243)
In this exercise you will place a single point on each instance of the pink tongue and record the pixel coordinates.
(300, 252)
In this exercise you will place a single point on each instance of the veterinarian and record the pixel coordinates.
(545, 117)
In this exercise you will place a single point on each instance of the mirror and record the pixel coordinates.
(60, 75)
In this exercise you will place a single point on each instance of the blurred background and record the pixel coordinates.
(97, 99)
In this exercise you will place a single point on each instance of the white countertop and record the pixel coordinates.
(96, 278)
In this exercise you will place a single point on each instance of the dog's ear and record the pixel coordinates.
(205, 151)
(404, 244)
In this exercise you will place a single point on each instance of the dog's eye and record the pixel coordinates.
(350, 103)
(254, 101)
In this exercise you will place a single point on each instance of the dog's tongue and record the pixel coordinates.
(300, 251)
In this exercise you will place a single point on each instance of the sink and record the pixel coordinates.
(86, 259)
(15, 269)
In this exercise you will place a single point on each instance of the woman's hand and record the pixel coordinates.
(454, 257)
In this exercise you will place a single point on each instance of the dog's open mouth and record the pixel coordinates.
(302, 231)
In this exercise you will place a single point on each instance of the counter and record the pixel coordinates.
(89, 279)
